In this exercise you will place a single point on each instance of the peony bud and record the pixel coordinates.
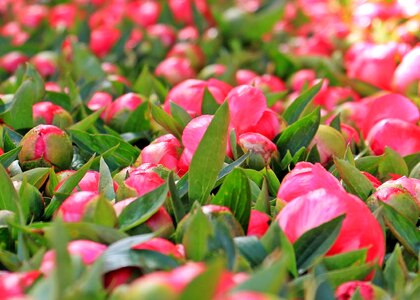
(14, 285)
(258, 223)
(260, 147)
(190, 51)
(144, 13)
(89, 182)
(102, 40)
(306, 177)
(407, 74)
(268, 83)
(74, 207)
(319, 206)
(119, 110)
(162, 32)
(51, 114)
(244, 76)
(143, 180)
(45, 146)
(12, 60)
(346, 290)
(175, 69)
(160, 245)
(188, 34)
(88, 251)
(302, 78)
(189, 94)
(401, 136)
(45, 63)
(163, 150)
(329, 142)
(63, 15)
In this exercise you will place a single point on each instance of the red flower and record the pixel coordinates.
(102, 40)
(13, 285)
(319, 206)
(407, 73)
(73, 208)
(259, 144)
(175, 69)
(143, 180)
(12, 60)
(160, 245)
(51, 114)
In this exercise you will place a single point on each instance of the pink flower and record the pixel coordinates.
(372, 63)
(258, 223)
(188, 33)
(189, 94)
(346, 290)
(45, 63)
(163, 150)
(190, 51)
(89, 182)
(248, 296)
(143, 180)
(258, 144)
(401, 136)
(408, 72)
(182, 10)
(46, 145)
(306, 177)
(410, 185)
(117, 112)
(88, 251)
(387, 106)
(175, 69)
(249, 113)
(243, 76)
(63, 15)
(144, 13)
(375, 181)
(163, 32)
(102, 40)
(73, 208)
(100, 100)
(302, 78)
(319, 206)
(268, 83)
(12, 60)
(160, 245)
(51, 114)
(13, 285)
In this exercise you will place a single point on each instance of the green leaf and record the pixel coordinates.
(209, 156)
(412, 160)
(94, 232)
(36, 176)
(405, 231)
(273, 181)
(166, 121)
(124, 156)
(179, 114)
(106, 183)
(7, 158)
(335, 278)
(395, 272)
(204, 286)
(391, 163)
(144, 82)
(101, 212)
(21, 106)
(85, 65)
(299, 134)
(316, 242)
(138, 119)
(345, 260)
(88, 122)
(209, 105)
(356, 182)
(197, 245)
(276, 238)
(252, 249)
(336, 123)
(141, 209)
(262, 203)
(267, 280)
(174, 200)
(293, 112)
(9, 198)
(235, 194)
(66, 189)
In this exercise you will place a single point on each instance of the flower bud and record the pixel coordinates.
(268, 83)
(306, 177)
(74, 207)
(87, 250)
(175, 69)
(63, 15)
(243, 76)
(102, 40)
(302, 78)
(144, 13)
(319, 206)
(407, 75)
(160, 245)
(45, 63)
(258, 223)
(51, 114)
(401, 136)
(164, 150)
(45, 146)
(329, 142)
(12, 60)
(259, 146)
(346, 290)
(118, 111)
(143, 180)
(162, 32)
(13, 285)
(190, 51)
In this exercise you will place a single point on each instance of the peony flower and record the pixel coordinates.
(163, 150)
(346, 290)
(51, 114)
(322, 205)
(258, 223)
(407, 73)
(73, 208)
(175, 69)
